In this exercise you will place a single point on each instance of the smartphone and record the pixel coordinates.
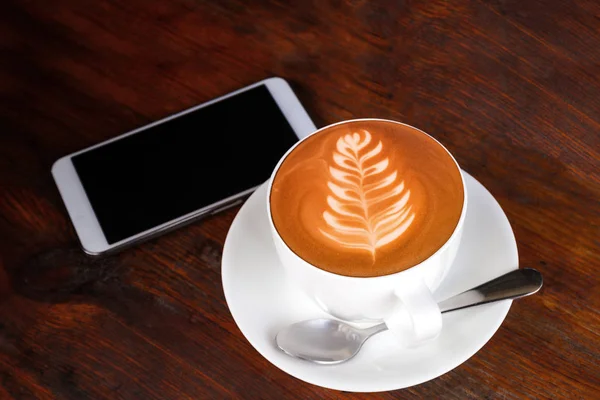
(189, 165)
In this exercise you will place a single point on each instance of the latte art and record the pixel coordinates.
(366, 198)
(368, 206)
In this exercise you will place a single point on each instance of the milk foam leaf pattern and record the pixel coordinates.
(368, 205)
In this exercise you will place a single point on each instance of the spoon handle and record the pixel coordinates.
(515, 284)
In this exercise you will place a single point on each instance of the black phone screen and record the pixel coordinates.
(184, 164)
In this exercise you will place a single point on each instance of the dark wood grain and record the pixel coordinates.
(510, 87)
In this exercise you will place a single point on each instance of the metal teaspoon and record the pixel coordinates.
(328, 341)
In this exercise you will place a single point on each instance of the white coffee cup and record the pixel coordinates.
(403, 300)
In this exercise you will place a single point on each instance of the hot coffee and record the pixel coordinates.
(367, 198)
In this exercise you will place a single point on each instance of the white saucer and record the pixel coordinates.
(262, 302)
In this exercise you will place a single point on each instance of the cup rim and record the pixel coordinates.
(446, 244)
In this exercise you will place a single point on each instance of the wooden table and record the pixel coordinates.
(511, 87)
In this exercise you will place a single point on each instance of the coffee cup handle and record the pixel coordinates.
(416, 317)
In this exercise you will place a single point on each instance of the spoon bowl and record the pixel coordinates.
(324, 341)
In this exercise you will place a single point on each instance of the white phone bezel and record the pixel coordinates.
(80, 210)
